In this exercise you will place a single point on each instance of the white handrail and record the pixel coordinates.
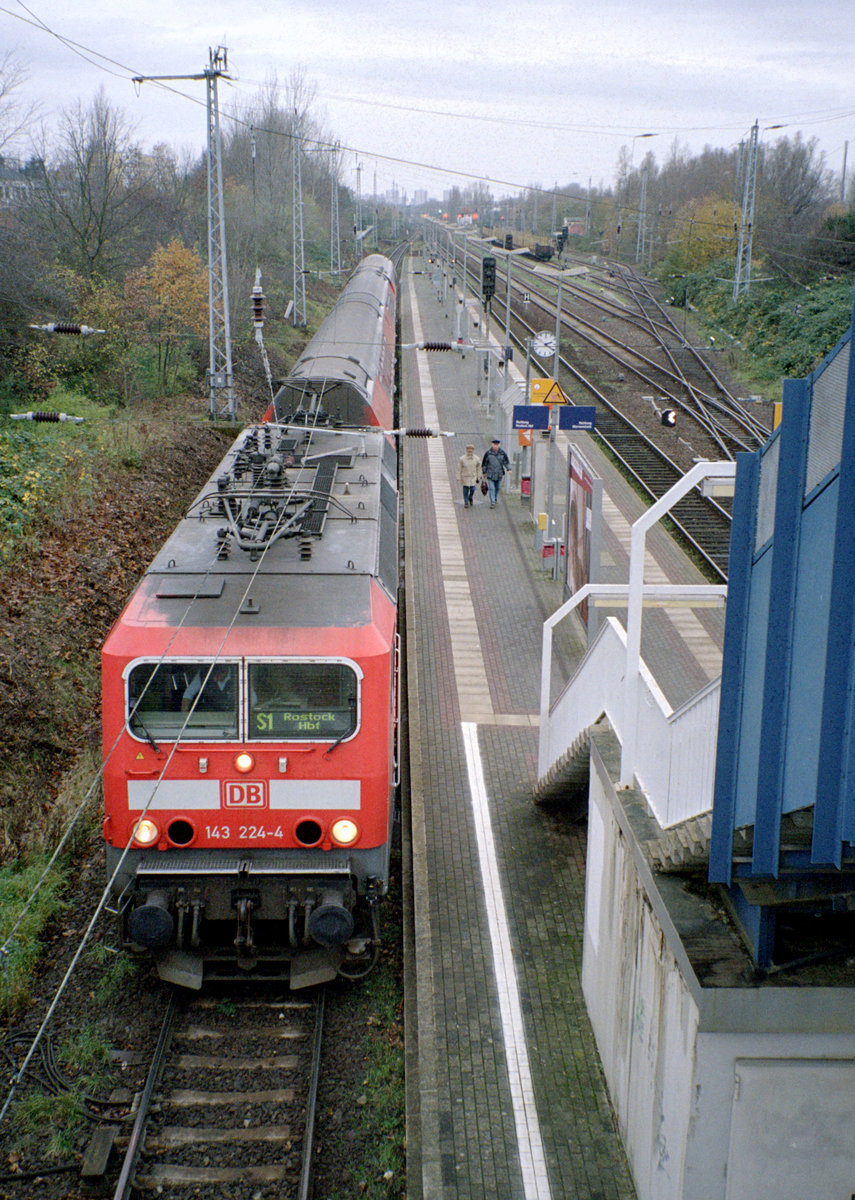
(636, 593)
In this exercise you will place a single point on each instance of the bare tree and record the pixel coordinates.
(258, 160)
(794, 192)
(16, 117)
(92, 191)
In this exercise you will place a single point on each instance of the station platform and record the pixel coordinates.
(505, 1096)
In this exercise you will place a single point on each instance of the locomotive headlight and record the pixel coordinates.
(146, 832)
(244, 762)
(344, 832)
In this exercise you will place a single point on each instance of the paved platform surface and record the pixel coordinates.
(506, 1097)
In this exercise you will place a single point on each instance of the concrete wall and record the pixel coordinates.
(721, 1093)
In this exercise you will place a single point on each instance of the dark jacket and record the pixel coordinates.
(495, 463)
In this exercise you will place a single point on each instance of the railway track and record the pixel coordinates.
(658, 356)
(228, 1107)
(638, 336)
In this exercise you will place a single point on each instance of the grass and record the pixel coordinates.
(85, 1049)
(382, 1107)
(120, 973)
(25, 948)
(47, 1124)
(46, 466)
(51, 469)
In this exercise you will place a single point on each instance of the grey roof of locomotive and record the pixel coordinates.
(347, 532)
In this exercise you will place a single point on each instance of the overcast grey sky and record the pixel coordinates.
(419, 90)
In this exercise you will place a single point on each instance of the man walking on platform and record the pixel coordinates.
(493, 465)
(468, 474)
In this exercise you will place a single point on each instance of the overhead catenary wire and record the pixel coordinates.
(106, 63)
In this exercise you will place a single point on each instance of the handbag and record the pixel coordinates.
(484, 487)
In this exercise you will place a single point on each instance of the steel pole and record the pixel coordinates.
(508, 261)
(557, 354)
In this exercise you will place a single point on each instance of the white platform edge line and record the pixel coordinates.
(532, 1157)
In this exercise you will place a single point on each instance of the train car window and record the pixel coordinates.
(161, 699)
(302, 701)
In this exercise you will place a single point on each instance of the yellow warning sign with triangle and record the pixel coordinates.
(547, 391)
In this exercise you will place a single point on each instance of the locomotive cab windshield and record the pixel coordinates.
(302, 700)
(284, 701)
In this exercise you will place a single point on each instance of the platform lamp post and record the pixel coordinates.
(508, 261)
(550, 492)
(557, 355)
(451, 254)
(542, 345)
(465, 249)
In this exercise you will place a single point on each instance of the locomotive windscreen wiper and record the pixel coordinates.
(351, 705)
(136, 720)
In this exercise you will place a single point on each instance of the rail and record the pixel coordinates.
(701, 523)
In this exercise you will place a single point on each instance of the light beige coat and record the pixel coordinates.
(468, 469)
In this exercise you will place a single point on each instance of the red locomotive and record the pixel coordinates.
(250, 684)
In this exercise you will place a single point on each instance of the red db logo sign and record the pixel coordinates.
(244, 793)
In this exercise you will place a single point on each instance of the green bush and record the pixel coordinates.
(786, 328)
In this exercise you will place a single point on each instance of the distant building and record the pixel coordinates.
(16, 181)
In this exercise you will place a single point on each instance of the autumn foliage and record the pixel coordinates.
(168, 300)
(153, 320)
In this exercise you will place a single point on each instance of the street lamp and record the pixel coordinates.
(635, 138)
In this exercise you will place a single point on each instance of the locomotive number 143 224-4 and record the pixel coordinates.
(254, 833)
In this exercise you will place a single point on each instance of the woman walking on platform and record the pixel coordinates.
(494, 464)
(468, 474)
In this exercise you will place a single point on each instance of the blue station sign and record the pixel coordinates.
(576, 416)
(531, 416)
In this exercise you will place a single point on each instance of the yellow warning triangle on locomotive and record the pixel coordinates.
(547, 391)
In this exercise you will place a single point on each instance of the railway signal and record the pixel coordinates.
(258, 299)
(488, 277)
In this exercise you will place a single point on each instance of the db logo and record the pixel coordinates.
(241, 793)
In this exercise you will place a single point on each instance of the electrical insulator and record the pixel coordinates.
(437, 346)
(258, 299)
(44, 416)
(419, 432)
(67, 327)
